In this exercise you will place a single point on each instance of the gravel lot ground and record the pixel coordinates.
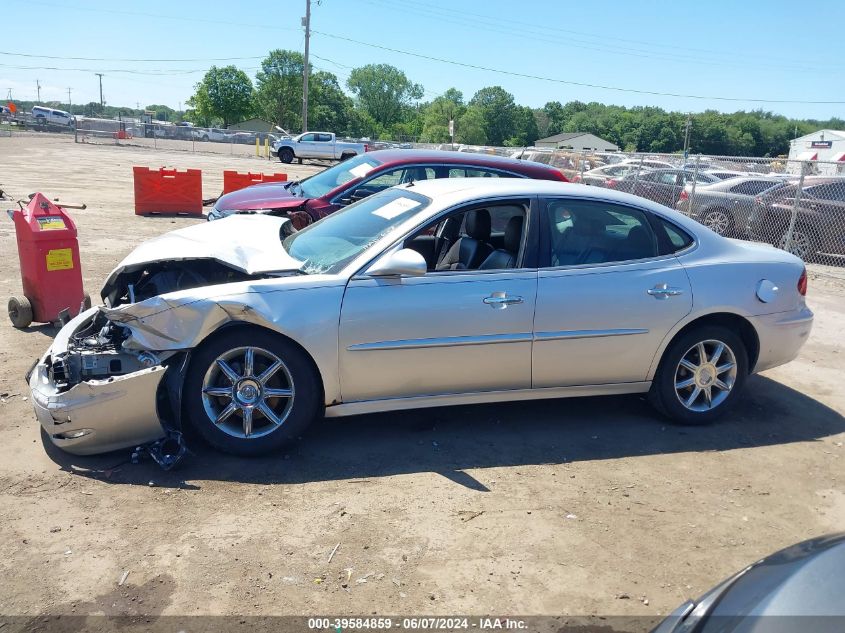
(549, 507)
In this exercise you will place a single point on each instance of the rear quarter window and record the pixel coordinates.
(678, 238)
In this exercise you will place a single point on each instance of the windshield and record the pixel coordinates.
(328, 245)
(320, 184)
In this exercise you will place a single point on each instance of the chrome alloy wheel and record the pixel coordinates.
(717, 221)
(705, 376)
(248, 392)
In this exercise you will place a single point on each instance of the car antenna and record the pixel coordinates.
(410, 184)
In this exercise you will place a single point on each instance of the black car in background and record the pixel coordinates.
(818, 233)
(726, 206)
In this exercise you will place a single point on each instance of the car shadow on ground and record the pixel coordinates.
(452, 440)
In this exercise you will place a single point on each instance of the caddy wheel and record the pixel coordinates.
(20, 312)
(700, 376)
(250, 392)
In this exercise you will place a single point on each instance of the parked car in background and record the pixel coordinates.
(651, 163)
(600, 175)
(315, 197)
(209, 134)
(661, 185)
(725, 174)
(405, 300)
(726, 206)
(51, 115)
(819, 228)
(322, 145)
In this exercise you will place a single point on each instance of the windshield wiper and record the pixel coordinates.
(290, 186)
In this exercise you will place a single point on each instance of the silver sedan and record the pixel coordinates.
(433, 293)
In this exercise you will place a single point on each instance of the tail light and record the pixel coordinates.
(610, 184)
(366, 147)
(802, 283)
(576, 178)
(684, 195)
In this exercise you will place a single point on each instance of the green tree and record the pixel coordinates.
(436, 116)
(525, 128)
(278, 89)
(224, 94)
(328, 107)
(498, 109)
(383, 91)
(470, 127)
(163, 112)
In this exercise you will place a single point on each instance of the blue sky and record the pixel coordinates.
(772, 49)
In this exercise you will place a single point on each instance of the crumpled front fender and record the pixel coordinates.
(164, 324)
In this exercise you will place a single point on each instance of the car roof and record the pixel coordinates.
(396, 157)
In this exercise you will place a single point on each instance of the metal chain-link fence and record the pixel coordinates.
(796, 205)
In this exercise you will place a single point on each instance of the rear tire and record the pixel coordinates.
(286, 155)
(20, 312)
(250, 407)
(804, 243)
(347, 156)
(695, 388)
(719, 221)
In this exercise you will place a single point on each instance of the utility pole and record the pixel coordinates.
(686, 135)
(69, 105)
(9, 95)
(306, 22)
(100, 75)
(38, 89)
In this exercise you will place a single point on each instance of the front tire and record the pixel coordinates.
(286, 155)
(250, 392)
(701, 375)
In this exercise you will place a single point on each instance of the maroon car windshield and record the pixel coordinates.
(320, 184)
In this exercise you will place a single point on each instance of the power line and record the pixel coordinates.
(570, 83)
(603, 38)
(129, 59)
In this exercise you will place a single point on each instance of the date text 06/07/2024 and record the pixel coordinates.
(420, 623)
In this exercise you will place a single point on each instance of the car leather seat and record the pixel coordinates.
(472, 249)
(581, 243)
(638, 244)
(506, 257)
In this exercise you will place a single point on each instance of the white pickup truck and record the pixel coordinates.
(321, 145)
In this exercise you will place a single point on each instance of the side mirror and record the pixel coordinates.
(406, 262)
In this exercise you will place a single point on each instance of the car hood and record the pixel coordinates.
(249, 244)
(271, 195)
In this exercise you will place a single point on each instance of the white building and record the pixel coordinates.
(825, 146)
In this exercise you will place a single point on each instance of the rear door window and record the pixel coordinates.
(751, 187)
(474, 172)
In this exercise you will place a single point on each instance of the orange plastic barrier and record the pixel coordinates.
(167, 191)
(232, 180)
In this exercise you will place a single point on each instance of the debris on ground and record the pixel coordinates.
(123, 578)
(331, 556)
(469, 515)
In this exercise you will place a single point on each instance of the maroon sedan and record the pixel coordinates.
(313, 198)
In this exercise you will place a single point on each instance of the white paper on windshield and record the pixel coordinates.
(361, 170)
(396, 207)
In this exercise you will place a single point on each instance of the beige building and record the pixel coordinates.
(577, 141)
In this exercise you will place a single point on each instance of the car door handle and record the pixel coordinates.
(662, 291)
(500, 300)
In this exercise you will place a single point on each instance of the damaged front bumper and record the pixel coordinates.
(96, 414)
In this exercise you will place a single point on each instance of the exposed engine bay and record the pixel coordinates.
(152, 279)
(96, 352)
